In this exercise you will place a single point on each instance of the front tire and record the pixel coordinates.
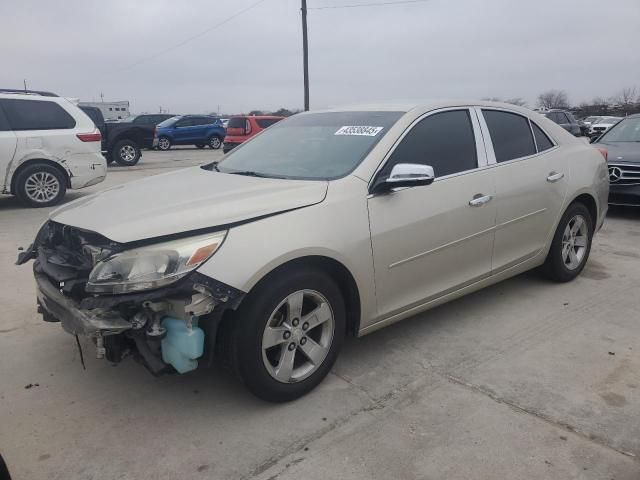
(571, 244)
(41, 185)
(215, 142)
(287, 334)
(126, 153)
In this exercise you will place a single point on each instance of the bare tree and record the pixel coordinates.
(553, 99)
(626, 99)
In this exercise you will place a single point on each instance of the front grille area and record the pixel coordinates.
(624, 174)
(66, 255)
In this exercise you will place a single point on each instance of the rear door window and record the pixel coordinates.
(36, 115)
(445, 141)
(510, 134)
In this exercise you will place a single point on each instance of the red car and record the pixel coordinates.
(242, 128)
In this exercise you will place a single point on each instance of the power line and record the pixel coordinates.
(376, 4)
(191, 38)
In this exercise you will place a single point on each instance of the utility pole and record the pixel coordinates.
(25, 84)
(305, 55)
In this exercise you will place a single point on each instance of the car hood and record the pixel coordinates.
(622, 152)
(183, 201)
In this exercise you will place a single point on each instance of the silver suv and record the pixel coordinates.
(326, 224)
(47, 145)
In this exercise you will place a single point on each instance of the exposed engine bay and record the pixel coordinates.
(167, 328)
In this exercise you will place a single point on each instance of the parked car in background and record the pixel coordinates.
(602, 124)
(588, 121)
(225, 122)
(242, 128)
(566, 120)
(622, 144)
(148, 118)
(124, 141)
(198, 130)
(328, 223)
(47, 145)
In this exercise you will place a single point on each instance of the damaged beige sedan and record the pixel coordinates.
(327, 224)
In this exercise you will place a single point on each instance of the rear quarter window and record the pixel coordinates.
(236, 122)
(542, 140)
(36, 115)
(267, 122)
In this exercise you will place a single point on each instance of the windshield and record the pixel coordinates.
(608, 120)
(312, 146)
(169, 121)
(626, 131)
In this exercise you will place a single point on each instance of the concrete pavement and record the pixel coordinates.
(526, 379)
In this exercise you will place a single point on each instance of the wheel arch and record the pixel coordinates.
(338, 273)
(135, 137)
(36, 161)
(588, 201)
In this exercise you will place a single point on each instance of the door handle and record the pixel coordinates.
(479, 200)
(554, 177)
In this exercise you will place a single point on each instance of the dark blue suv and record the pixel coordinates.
(198, 130)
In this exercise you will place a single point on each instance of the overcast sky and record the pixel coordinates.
(430, 49)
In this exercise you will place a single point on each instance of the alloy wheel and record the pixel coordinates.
(42, 187)
(215, 143)
(298, 336)
(127, 153)
(574, 242)
(163, 144)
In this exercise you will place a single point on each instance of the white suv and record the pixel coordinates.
(47, 145)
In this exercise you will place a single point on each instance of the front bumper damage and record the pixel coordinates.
(168, 328)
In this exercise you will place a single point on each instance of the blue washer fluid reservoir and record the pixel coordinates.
(182, 345)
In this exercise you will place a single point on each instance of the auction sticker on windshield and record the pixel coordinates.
(359, 130)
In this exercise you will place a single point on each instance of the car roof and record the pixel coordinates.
(28, 93)
(406, 107)
(257, 116)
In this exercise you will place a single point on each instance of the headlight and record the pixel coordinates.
(152, 266)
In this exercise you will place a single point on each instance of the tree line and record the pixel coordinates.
(625, 102)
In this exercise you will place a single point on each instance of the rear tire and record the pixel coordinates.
(126, 153)
(164, 143)
(214, 142)
(41, 185)
(268, 309)
(571, 244)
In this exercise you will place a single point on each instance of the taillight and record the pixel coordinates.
(604, 152)
(94, 136)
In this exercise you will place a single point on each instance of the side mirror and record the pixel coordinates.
(406, 175)
(594, 139)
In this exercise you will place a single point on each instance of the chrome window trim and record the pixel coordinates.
(489, 145)
(481, 157)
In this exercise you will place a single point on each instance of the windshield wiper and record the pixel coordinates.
(249, 173)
